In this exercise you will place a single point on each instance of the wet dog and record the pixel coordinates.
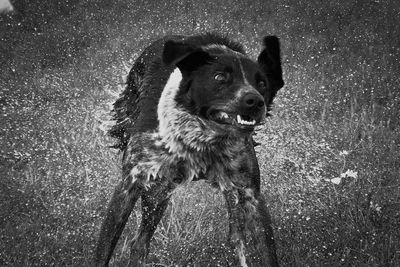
(188, 113)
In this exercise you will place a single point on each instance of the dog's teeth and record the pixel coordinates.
(244, 122)
(224, 115)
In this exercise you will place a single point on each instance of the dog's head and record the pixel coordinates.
(224, 86)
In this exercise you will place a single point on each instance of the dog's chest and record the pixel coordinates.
(223, 166)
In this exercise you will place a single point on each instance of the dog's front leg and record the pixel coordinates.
(250, 228)
(259, 227)
(236, 224)
(118, 211)
(154, 202)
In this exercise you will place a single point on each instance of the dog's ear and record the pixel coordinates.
(270, 62)
(185, 56)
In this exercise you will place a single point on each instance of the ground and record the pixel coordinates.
(329, 155)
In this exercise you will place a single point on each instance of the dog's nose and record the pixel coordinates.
(251, 101)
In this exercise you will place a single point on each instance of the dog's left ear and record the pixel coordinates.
(185, 56)
(270, 62)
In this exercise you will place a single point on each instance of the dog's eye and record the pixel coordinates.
(221, 77)
(261, 84)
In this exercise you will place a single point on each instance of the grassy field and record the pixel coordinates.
(330, 155)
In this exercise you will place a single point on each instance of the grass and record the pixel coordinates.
(330, 155)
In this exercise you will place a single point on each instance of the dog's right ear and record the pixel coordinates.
(185, 56)
(270, 61)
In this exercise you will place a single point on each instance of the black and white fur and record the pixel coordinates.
(188, 113)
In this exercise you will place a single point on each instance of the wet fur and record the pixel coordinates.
(169, 146)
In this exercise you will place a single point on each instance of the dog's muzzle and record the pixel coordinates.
(247, 111)
(251, 102)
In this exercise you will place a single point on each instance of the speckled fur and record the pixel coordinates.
(165, 145)
(186, 146)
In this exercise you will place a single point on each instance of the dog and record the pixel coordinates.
(188, 113)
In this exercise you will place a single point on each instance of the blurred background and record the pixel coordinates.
(329, 155)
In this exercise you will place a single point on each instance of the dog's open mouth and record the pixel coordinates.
(243, 121)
